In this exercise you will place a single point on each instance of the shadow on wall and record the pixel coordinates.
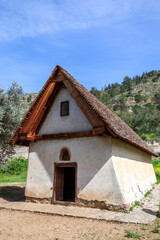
(12, 193)
(95, 176)
(124, 150)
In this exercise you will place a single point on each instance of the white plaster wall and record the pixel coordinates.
(76, 121)
(96, 179)
(134, 171)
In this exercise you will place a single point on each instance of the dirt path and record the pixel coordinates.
(23, 225)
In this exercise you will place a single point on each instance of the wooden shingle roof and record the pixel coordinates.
(114, 125)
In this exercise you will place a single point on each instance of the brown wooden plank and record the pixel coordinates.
(44, 109)
(39, 106)
(65, 135)
(59, 177)
(99, 130)
(48, 106)
(59, 183)
(40, 109)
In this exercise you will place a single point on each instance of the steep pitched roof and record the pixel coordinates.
(114, 125)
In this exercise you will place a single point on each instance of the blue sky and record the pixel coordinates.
(97, 41)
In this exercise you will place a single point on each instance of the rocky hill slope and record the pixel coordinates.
(137, 101)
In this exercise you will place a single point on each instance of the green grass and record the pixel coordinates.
(15, 170)
(147, 193)
(13, 178)
(157, 228)
(132, 235)
(136, 203)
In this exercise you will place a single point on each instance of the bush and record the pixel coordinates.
(156, 165)
(15, 166)
(148, 136)
(29, 98)
(139, 98)
(155, 79)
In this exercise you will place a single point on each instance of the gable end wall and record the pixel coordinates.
(75, 122)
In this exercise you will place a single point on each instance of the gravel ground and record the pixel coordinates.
(20, 225)
(17, 225)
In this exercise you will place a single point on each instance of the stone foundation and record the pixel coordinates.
(38, 200)
(82, 203)
(102, 205)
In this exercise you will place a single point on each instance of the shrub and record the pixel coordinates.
(139, 98)
(148, 136)
(155, 79)
(14, 166)
(29, 98)
(156, 165)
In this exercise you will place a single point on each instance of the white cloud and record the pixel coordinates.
(31, 18)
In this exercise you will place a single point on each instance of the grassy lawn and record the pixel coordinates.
(13, 178)
(15, 170)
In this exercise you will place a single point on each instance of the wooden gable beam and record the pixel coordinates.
(43, 109)
(48, 106)
(39, 107)
(66, 135)
(47, 103)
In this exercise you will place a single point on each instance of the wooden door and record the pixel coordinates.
(65, 182)
(59, 183)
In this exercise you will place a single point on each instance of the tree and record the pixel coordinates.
(137, 79)
(95, 92)
(127, 117)
(122, 102)
(29, 98)
(157, 97)
(105, 98)
(139, 98)
(10, 116)
(146, 121)
(127, 83)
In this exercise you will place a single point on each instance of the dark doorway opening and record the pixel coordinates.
(69, 184)
(64, 183)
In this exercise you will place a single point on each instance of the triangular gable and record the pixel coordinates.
(54, 123)
(101, 118)
(27, 129)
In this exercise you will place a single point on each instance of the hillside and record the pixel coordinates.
(136, 100)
